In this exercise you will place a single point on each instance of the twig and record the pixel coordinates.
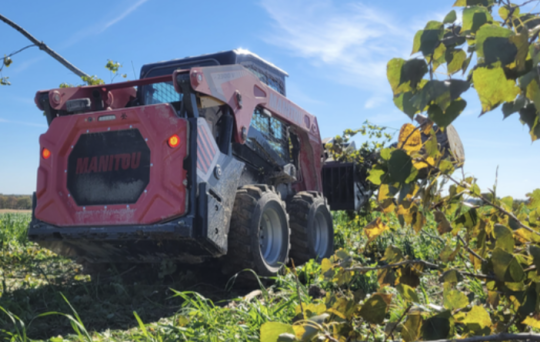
(498, 337)
(470, 250)
(415, 262)
(397, 323)
(298, 288)
(399, 264)
(44, 47)
(488, 202)
(506, 327)
(14, 53)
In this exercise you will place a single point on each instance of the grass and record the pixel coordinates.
(46, 297)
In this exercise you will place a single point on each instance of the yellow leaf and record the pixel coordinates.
(419, 164)
(532, 322)
(410, 138)
(325, 265)
(375, 228)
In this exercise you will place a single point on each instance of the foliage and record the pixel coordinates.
(506, 52)
(113, 68)
(15, 202)
(489, 256)
(339, 147)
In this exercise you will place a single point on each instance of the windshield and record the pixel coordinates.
(160, 93)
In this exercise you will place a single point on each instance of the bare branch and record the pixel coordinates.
(488, 202)
(416, 262)
(397, 323)
(44, 47)
(399, 264)
(470, 250)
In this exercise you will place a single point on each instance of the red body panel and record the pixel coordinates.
(243, 92)
(165, 194)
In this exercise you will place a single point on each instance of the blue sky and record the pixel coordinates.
(334, 51)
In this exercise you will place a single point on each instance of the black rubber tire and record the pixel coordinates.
(244, 250)
(305, 209)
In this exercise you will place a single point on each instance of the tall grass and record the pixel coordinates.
(13, 228)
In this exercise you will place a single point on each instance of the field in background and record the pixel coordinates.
(47, 297)
(15, 211)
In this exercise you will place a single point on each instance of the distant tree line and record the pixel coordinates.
(15, 202)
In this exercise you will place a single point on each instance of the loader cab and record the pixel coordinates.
(268, 73)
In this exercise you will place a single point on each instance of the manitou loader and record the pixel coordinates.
(202, 157)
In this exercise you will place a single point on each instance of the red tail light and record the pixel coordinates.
(45, 153)
(174, 141)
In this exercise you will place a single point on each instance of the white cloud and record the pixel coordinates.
(122, 15)
(376, 101)
(350, 42)
(101, 26)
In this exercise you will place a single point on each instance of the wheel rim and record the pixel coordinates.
(271, 236)
(320, 234)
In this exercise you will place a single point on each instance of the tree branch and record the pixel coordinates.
(415, 262)
(488, 202)
(44, 47)
(498, 337)
(470, 250)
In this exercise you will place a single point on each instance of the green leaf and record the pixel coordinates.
(474, 17)
(392, 254)
(375, 308)
(450, 17)
(506, 267)
(403, 102)
(478, 321)
(493, 45)
(441, 93)
(463, 3)
(533, 93)
(400, 166)
(510, 108)
(454, 299)
(375, 176)
(428, 39)
(405, 76)
(270, 331)
(444, 119)
(529, 116)
(439, 56)
(493, 88)
(408, 293)
(534, 251)
(411, 329)
(504, 12)
(455, 59)
(451, 276)
(534, 199)
(521, 42)
(504, 238)
(438, 327)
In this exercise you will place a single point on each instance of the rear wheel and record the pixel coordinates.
(312, 230)
(259, 235)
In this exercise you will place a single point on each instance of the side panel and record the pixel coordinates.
(165, 195)
(243, 92)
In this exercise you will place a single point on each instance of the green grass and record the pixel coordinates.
(44, 296)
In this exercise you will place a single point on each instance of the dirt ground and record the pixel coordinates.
(3, 211)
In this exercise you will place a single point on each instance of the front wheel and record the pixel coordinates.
(259, 235)
(312, 229)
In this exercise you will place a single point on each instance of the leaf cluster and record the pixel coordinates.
(505, 72)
